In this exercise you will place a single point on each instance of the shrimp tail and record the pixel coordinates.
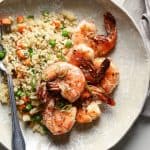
(53, 86)
(95, 75)
(102, 70)
(102, 96)
(106, 99)
(43, 94)
(110, 22)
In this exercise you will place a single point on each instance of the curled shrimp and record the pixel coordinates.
(66, 78)
(58, 121)
(98, 71)
(83, 57)
(111, 78)
(101, 44)
(89, 109)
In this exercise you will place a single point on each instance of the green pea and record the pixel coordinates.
(28, 107)
(65, 33)
(68, 44)
(19, 93)
(52, 43)
(2, 54)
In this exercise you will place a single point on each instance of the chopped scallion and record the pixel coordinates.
(30, 17)
(45, 13)
(30, 50)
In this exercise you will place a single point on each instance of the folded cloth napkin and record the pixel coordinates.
(145, 30)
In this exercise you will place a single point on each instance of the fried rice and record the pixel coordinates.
(42, 40)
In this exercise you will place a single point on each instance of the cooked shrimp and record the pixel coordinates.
(83, 57)
(86, 27)
(99, 71)
(88, 112)
(83, 30)
(67, 78)
(98, 94)
(81, 51)
(58, 121)
(91, 98)
(111, 77)
(102, 44)
(42, 93)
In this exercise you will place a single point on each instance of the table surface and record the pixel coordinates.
(138, 137)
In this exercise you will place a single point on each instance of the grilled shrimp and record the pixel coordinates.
(97, 93)
(101, 44)
(110, 79)
(66, 78)
(98, 71)
(78, 52)
(89, 109)
(83, 57)
(58, 121)
(88, 112)
(82, 32)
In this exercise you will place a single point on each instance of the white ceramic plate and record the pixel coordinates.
(131, 59)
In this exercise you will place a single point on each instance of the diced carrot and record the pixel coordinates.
(25, 99)
(21, 55)
(6, 21)
(27, 62)
(20, 19)
(21, 28)
(20, 46)
(21, 107)
(56, 23)
(20, 75)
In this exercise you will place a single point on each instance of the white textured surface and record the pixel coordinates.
(139, 135)
(131, 59)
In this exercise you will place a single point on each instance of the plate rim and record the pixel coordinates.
(121, 8)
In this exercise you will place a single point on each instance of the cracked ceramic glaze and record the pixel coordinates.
(129, 55)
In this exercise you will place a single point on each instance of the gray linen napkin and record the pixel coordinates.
(145, 30)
